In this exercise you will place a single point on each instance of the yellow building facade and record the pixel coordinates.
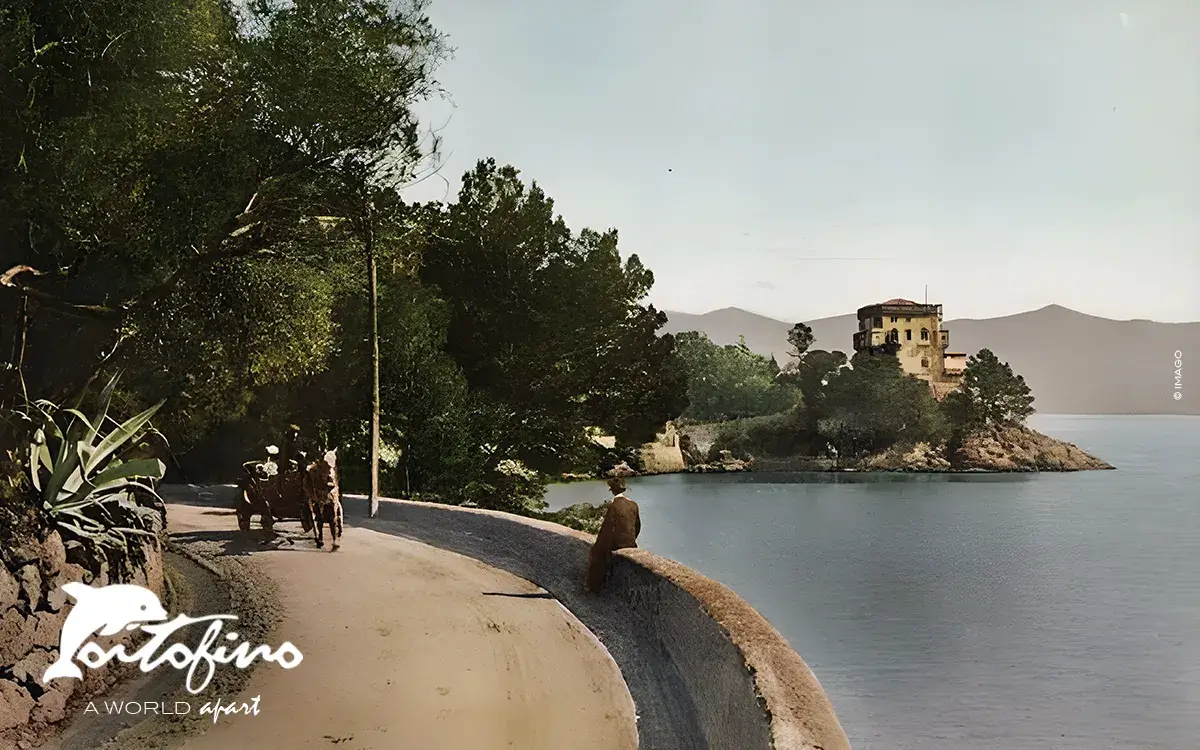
(913, 333)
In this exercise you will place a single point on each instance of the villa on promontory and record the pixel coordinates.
(913, 333)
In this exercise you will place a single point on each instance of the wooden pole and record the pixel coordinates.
(373, 291)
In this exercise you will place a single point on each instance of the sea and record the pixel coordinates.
(963, 612)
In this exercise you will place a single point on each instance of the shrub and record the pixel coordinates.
(92, 479)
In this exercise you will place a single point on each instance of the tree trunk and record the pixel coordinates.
(371, 281)
(16, 376)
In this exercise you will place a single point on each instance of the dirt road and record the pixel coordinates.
(408, 647)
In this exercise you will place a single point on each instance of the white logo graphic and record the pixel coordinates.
(111, 609)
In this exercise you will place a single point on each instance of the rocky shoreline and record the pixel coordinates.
(1011, 449)
(996, 450)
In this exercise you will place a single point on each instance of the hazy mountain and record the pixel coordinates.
(1075, 363)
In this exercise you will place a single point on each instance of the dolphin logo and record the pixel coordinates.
(109, 609)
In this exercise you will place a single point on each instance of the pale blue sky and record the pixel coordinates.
(824, 155)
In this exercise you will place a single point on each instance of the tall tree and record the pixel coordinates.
(177, 147)
(991, 394)
(811, 372)
(800, 337)
(547, 325)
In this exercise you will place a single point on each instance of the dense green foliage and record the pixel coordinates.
(991, 394)
(730, 382)
(872, 405)
(809, 373)
(547, 325)
(194, 186)
(847, 411)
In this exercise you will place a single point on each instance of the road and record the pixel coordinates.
(409, 647)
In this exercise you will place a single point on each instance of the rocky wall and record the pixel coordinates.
(33, 608)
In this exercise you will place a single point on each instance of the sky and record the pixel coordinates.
(801, 159)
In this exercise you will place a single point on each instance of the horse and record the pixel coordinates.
(324, 497)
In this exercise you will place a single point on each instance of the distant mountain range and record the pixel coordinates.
(1075, 363)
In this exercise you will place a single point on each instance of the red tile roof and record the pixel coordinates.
(899, 301)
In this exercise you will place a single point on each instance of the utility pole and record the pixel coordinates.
(373, 291)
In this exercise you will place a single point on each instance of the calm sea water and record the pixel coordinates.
(962, 612)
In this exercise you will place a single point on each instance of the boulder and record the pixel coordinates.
(72, 573)
(25, 549)
(621, 470)
(16, 636)
(51, 707)
(10, 589)
(15, 705)
(56, 600)
(47, 627)
(101, 578)
(54, 555)
(33, 666)
(918, 457)
(31, 585)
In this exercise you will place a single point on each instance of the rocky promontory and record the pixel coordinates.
(1012, 448)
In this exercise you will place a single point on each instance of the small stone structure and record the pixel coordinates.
(663, 455)
(33, 609)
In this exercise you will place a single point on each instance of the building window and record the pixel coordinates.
(878, 322)
(924, 334)
(894, 319)
(908, 320)
(908, 334)
(924, 363)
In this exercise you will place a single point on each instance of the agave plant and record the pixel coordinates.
(83, 472)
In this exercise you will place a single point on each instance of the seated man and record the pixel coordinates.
(619, 530)
(295, 449)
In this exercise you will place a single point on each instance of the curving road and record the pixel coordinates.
(409, 647)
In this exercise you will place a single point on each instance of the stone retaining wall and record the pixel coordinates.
(33, 608)
(706, 671)
(662, 459)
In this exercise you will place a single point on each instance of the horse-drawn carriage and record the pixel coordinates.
(294, 486)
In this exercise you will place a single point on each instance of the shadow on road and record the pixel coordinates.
(539, 595)
(239, 544)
